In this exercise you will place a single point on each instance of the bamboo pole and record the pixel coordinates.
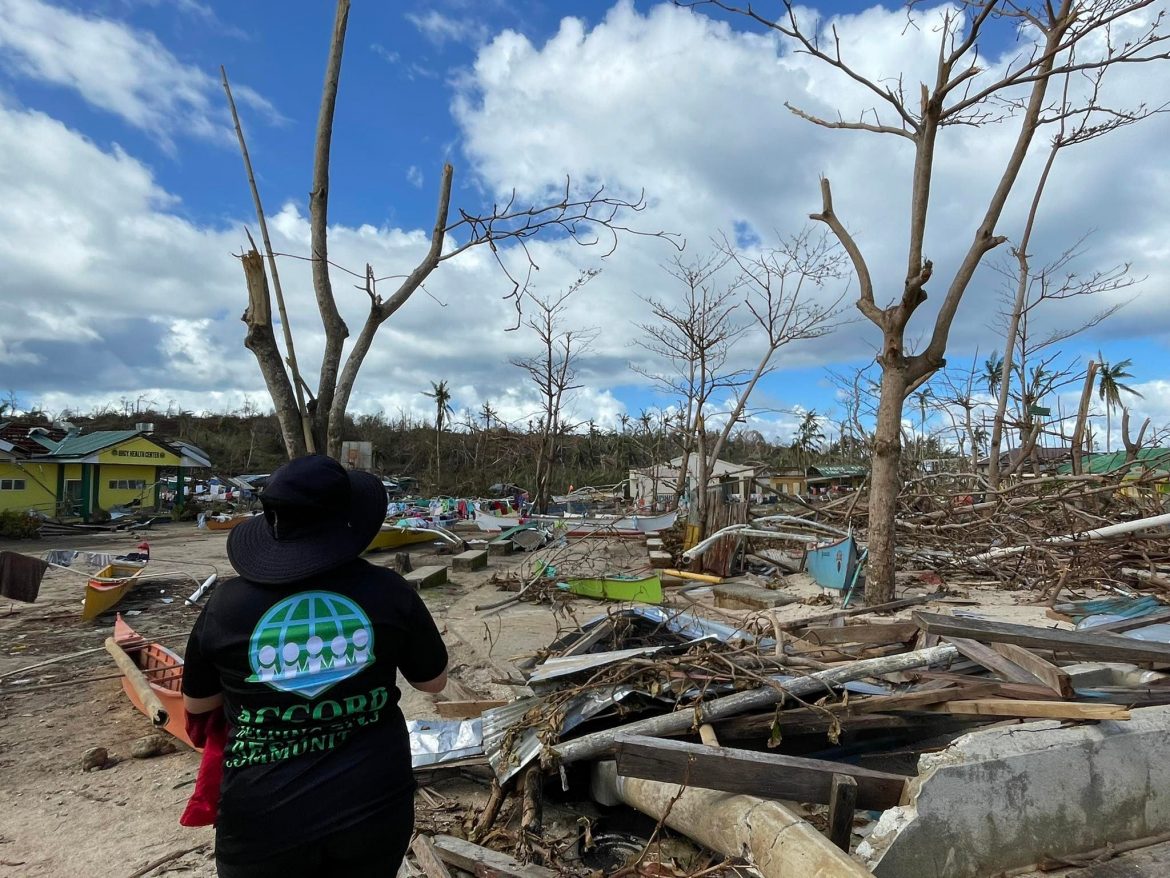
(137, 680)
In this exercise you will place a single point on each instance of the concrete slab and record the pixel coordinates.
(745, 596)
(654, 545)
(472, 559)
(427, 577)
(501, 547)
(661, 560)
(1004, 798)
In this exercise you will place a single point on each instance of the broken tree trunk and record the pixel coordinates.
(599, 743)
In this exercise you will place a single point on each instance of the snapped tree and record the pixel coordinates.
(1057, 38)
(315, 422)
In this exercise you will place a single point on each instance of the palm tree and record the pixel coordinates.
(1110, 388)
(442, 397)
(993, 372)
(809, 435)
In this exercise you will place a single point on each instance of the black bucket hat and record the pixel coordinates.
(317, 516)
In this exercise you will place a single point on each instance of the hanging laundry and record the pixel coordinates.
(20, 576)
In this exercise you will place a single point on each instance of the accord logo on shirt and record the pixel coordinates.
(309, 642)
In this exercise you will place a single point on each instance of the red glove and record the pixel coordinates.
(209, 731)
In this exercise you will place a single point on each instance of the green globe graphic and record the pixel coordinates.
(309, 642)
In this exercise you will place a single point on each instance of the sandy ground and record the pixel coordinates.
(56, 820)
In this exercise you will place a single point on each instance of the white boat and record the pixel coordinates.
(576, 524)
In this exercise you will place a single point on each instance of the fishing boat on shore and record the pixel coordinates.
(644, 589)
(226, 523)
(163, 669)
(578, 525)
(395, 536)
(112, 583)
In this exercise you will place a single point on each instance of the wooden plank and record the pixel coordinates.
(465, 709)
(483, 861)
(1031, 709)
(427, 858)
(1004, 668)
(1022, 691)
(842, 804)
(895, 632)
(767, 775)
(1052, 676)
(590, 638)
(1100, 647)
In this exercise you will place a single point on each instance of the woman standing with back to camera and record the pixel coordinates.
(301, 653)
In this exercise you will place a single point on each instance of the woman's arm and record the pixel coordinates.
(206, 705)
(435, 686)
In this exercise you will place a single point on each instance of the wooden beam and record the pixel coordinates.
(1002, 667)
(767, 775)
(427, 858)
(842, 804)
(1100, 647)
(483, 861)
(895, 632)
(465, 709)
(1052, 676)
(1031, 709)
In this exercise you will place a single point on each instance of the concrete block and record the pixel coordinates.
(1003, 798)
(661, 560)
(652, 535)
(470, 560)
(745, 596)
(427, 577)
(501, 547)
(654, 545)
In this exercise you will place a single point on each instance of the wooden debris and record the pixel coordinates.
(465, 709)
(842, 804)
(427, 857)
(767, 775)
(1032, 709)
(1050, 674)
(1100, 647)
(483, 861)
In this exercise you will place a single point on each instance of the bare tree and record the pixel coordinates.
(1057, 38)
(590, 219)
(693, 339)
(554, 372)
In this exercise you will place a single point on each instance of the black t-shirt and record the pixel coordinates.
(307, 670)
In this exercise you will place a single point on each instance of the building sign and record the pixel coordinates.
(138, 452)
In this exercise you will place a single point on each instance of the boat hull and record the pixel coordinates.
(832, 565)
(163, 669)
(647, 590)
(396, 538)
(108, 586)
(577, 526)
(215, 524)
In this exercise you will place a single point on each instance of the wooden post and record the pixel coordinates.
(427, 858)
(137, 681)
(532, 815)
(842, 802)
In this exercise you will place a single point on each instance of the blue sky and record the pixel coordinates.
(129, 187)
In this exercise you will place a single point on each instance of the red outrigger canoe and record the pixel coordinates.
(163, 669)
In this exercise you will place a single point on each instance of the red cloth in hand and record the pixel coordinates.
(209, 731)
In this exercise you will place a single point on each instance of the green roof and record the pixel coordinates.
(840, 472)
(1097, 464)
(88, 443)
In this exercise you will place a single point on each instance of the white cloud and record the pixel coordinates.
(442, 29)
(414, 176)
(119, 69)
(684, 106)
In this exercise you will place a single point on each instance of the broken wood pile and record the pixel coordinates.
(800, 723)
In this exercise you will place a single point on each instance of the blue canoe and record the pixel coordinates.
(833, 565)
